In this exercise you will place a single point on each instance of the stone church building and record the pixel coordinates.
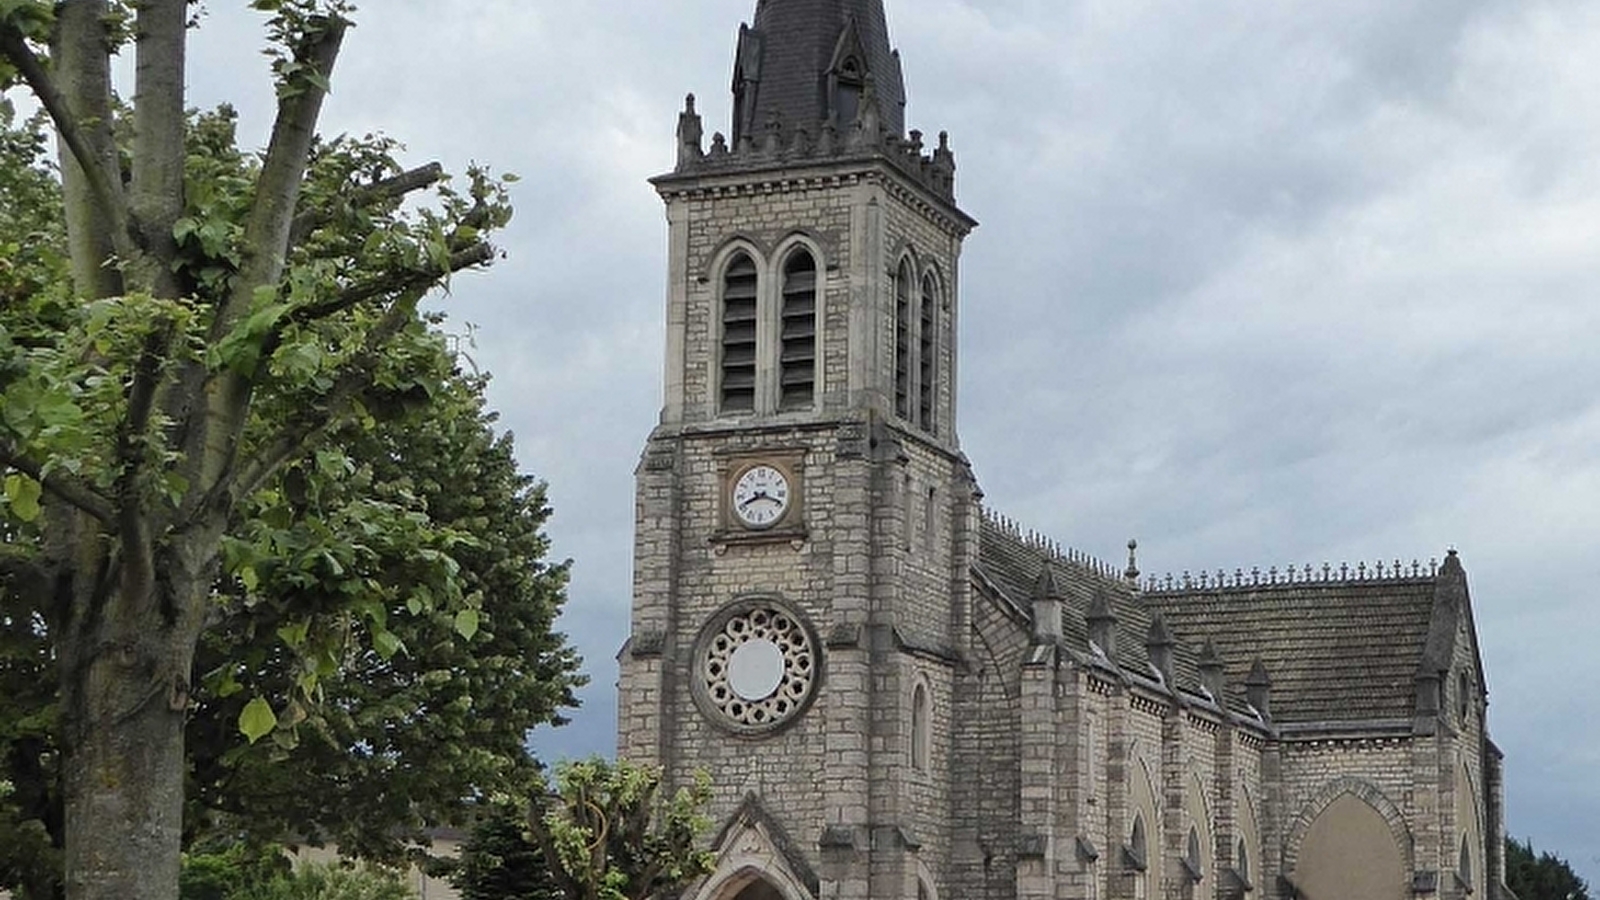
(901, 695)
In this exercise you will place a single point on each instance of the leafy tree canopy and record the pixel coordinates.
(601, 831)
(239, 872)
(1542, 876)
(259, 547)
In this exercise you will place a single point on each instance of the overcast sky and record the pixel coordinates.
(1257, 283)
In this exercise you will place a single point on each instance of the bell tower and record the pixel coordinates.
(805, 520)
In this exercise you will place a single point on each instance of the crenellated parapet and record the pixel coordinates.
(1050, 548)
(1327, 573)
(780, 144)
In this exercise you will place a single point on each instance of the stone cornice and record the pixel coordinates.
(781, 177)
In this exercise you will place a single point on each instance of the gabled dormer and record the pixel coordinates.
(804, 64)
(848, 73)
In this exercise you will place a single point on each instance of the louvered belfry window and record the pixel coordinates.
(797, 350)
(902, 342)
(927, 359)
(739, 335)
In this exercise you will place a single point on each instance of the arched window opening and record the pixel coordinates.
(1136, 856)
(739, 335)
(1463, 696)
(849, 81)
(797, 360)
(1193, 866)
(908, 498)
(927, 355)
(1137, 849)
(902, 342)
(1091, 759)
(1464, 864)
(920, 731)
(1241, 862)
(922, 890)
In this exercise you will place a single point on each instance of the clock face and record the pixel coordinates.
(760, 496)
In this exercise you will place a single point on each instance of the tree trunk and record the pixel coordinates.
(124, 689)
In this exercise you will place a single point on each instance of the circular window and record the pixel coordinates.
(757, 667)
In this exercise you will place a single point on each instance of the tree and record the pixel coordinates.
(602, 831)
(362, 767)
(498, 862)
(419, 721)
(607, 831)
(1545, 877)
(225, 318)
(240, 872)
(481, 694)
(225, 871)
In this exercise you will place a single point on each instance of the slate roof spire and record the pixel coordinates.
(803, 64)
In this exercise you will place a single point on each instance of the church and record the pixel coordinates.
(900, 694)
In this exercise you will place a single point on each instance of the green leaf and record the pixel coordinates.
(229, 686)
(23, 493)
(467, 623)
(257, 719)
(386, 644)
(294, 634)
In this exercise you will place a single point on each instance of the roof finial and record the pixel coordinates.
(1132, 572)
(690, 132)
(868, 125)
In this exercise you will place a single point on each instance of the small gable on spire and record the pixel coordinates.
(847, 76)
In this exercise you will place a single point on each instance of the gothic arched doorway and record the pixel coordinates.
(758, 890)
(1350, 851)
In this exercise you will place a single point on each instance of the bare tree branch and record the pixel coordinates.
(356, 379)
(156, 197)
(210, 443)
(266, 236)
(391, 283)
(141, 394)
(386, 189)
(107, 194)
(60, 484)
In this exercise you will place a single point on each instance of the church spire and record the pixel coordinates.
(814, 82)
(807, 64)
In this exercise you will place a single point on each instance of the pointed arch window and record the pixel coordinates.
(739, 329)
(1138, 845)
(1136, 856)
(1241, 862)
(797, 352)
(849, 82)
(1193, 866)
(902, 341)
(920, 729)
(927, 354)
(1464, 864)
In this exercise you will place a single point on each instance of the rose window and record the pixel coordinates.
(758, 669)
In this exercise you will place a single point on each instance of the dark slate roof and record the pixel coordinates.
(1341, 649)
(785, 54)
(1010, 562)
